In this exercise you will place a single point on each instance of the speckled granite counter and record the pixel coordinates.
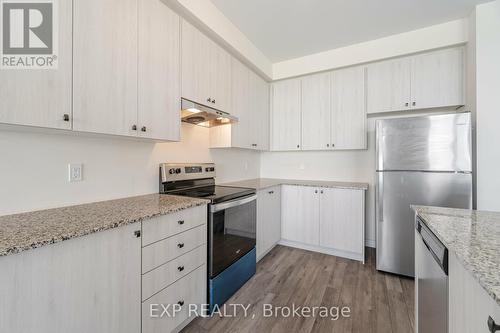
(262, 183)
(474, 236)
(31, 230)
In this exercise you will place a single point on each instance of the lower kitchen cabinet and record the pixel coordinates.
(87, 284)
(300, 214)
(268, 219)
(342, 220)
(328, 220)
(469, 306)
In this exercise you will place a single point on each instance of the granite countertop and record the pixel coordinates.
(474, 236)
(262, 183)
(31, 230)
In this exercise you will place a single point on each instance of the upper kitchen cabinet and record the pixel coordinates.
(286, 115)
(388, 86)
(430, 80)
(105, 58)
(250, 104)
(159, 72)
(316, 112)
(348, 118)
(437, 79)
(41, 97)
(259, 119)
(206, 69)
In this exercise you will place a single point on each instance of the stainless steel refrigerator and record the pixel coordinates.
(424, 161)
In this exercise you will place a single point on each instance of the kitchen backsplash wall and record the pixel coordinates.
(34, 166)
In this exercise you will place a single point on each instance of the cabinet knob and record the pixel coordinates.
(143, 128)
(271, 192)
(209, 99)
(137, 233)
(492, 326)
(321, 192)
(406, 104)
(414, 103)
(328, 145)
(315, 191)
(213, 101)
(180, 268)
(181, 303)
(181, 222)
(134, 127)
(333, 145)
(180, 245)
(66, 117)
(298, 146)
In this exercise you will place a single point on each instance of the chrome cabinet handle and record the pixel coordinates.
(134, 127)
(143, 128)
(209, 99)
(315, 191)
(180, 268)
(492, 326)
(406, 104)
(137, 233)
(213, 101)
(414, 103)
(328, 145)
(66, 117)
(180, 245)
(181, 303)
(181, 222)
(321, 192)
(271, 192)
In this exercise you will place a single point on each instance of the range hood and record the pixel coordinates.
(205, 116)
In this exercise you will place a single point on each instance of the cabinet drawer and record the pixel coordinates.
(163, 251)
(161, 277)
(189, 290)
(168, 225)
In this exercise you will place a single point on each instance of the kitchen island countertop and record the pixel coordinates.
(474, 237)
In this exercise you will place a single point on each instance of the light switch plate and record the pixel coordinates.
(75, 172)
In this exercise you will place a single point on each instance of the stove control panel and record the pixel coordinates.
(176, 172)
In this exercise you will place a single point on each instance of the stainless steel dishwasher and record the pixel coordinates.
(431, 261)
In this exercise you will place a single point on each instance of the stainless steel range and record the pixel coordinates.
(232, 215)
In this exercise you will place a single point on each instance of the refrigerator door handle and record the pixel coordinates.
(380, 200)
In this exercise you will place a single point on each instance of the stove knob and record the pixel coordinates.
(178, 170)
(171, 171)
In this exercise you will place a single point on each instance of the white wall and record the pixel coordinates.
(487, 40)
(33, 166)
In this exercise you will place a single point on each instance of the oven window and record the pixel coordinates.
(232, 235)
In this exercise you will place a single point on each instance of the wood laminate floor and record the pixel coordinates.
(378, 302)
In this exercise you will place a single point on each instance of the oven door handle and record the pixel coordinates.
(232, 203)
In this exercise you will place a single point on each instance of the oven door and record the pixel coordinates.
(232, 229)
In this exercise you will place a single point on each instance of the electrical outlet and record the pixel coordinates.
(75, 172)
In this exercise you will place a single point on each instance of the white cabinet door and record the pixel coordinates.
(41, 97)
(87, 284)
(341, 219)
(240, 105)
(437, 79)
(469, 305)
(388, 85)
(220, 77)
(105, 66)
(348, 126)
(196, 51)
(259, 120)
(159, 71)
(268, 219)
(300, 214)
(315, 104)
(285, 115)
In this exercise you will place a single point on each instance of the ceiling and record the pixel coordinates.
(287, 29)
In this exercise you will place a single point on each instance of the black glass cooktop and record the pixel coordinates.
(215, 193)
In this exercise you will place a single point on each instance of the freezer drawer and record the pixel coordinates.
(396, 191)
